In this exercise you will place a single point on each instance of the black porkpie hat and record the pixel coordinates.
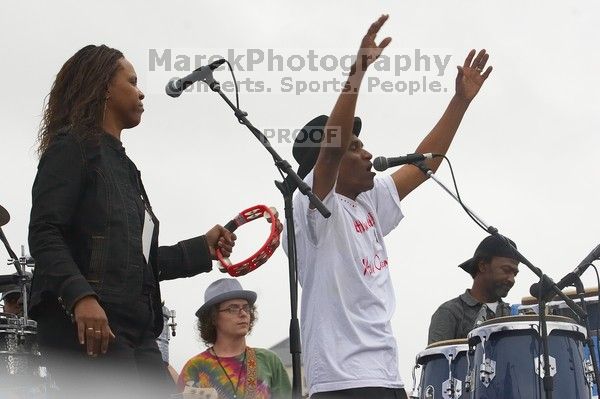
(307, 143)
(491, 246)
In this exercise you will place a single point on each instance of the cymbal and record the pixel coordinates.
(4, 216)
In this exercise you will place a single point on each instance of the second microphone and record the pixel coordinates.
(382, 163)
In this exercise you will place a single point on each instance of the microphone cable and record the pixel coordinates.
(237, 97)
(464, 207)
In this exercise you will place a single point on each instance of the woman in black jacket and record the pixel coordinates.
(95, 292)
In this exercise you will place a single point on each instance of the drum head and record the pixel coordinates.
(513, 319)
(513, 323)
(448, 342)
(449, 349)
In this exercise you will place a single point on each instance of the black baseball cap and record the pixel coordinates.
(493, 245)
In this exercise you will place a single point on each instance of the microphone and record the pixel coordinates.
(176, 86)
(382, 163)
(568, 280)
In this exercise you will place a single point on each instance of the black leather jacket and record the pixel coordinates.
(85, 231)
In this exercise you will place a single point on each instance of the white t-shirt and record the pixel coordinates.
(493, 306)
(347, 294)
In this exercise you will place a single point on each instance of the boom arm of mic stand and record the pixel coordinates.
(296, 181)
(548, 386)
(11, 253)
(492, 230)
(291, 181)
(282, 164)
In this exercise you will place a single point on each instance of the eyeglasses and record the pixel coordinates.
(237, 309)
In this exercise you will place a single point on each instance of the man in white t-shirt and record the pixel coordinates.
(349, 350)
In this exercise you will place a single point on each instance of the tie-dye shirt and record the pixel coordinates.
(204, 371)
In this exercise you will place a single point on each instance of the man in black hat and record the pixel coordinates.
(12, 301)
(493, 268)
(347, 295)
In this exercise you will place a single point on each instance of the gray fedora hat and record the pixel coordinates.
(223, 290)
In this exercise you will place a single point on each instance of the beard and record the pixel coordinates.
(501, 290)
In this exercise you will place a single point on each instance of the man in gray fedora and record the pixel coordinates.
(229, 365)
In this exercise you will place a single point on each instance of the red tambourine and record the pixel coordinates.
(264, 253)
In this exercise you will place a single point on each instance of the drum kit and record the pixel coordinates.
(502, 358)
(22, 374)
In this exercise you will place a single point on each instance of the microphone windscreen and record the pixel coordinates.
(534, 290)
(216, 64)
(172, 88)
(380, 164)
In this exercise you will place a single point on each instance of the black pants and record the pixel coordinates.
(363, 393)
(132, 367)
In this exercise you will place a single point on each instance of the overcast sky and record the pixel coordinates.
(524, 156)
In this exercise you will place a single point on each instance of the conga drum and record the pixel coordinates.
(444, 366)
(508, 362)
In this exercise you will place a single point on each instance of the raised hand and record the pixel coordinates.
(471, 76)
(369, 50)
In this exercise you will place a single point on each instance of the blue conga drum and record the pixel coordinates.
(508, 363)
(444, 366)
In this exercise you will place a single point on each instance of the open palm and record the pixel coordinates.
(471, 76)
(369, 50)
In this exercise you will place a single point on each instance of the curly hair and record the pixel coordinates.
(207, 323)
(78, 95)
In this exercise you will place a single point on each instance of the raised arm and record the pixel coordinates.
(338, 131)
(469, 80)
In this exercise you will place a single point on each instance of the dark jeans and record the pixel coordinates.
(132, 367)
(363, 393)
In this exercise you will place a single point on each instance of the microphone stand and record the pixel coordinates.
(21, 279)
(287, 187)
(544, 280)
(586, 322)
(11, 253)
